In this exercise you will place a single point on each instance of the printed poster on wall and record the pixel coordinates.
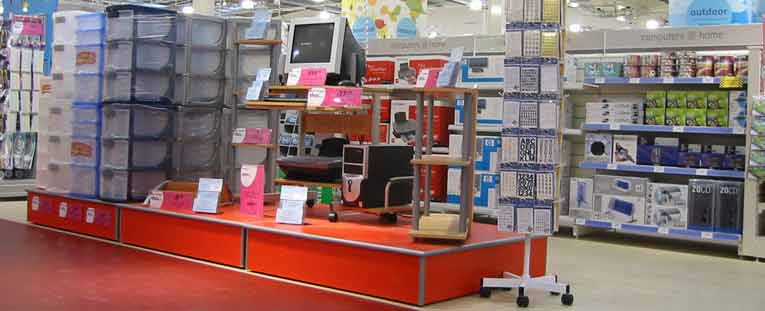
(385, 19)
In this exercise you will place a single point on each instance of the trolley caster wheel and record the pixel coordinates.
(332, 217)
(567, 299)
(507, 289)
(554, 294)
(310, 203)
(522, 301)
(485, 292)
(388, 218)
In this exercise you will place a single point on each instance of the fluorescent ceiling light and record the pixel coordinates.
(432, 34)
(652, 24)
(575, 28)
(573, 4)
(621, 18)
(620, 7)
(324, 14)
(496, 10)
(475, 5)
(318, 1)
(188, 9)
(248, 4)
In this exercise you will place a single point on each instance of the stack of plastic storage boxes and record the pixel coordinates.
(199, 92)
(138, 113)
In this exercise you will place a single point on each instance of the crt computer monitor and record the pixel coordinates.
(329, 44)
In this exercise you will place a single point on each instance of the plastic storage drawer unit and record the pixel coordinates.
(203, 91)
(135, 154)
(62, 84)
(147, 121)
(59, 148)
(139, 22)
(145, 86)
(86, 112)
(66, 58)
(59, 178)
(204, 61)
(205, 31)
(197, 122)
(91, 21)
(90, 37)
(85, 150)
(196, 153)
(129, 185)
(88, 87)
(149, 55)
(60, 119)
(84, 181)
(65, 25)
(86, 129)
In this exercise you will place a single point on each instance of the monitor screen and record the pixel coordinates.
(312, 43)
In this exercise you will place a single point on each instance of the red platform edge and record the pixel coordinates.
(409, 276)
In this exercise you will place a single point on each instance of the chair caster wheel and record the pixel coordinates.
(554, 294)
(485, 292)
(522, 301)
(567, 299)
(388, 218)
(332, 217)
(310, 203)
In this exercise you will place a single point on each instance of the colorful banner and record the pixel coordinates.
(385, 19)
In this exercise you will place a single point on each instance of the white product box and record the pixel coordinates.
(401, 128)
(13, 101)
(485, 190)
(38, 64)
(11, 119)
(15, 80)
(625, 149)
(26, 102)
(580, 198)
(26, 60)
(667, 205)
(488, 150)
(615, 120)
(514, 43)
(26, 81)
(482, 70)
(548, 115)
(15, 56)
(737, 103)
(598, 147)
(619, 208)
(25, 120)
(513, 79)
(489, 111)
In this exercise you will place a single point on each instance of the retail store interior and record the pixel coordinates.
(382, 155)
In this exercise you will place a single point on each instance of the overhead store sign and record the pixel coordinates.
(419, 46)
(729, 36)
(710, 12)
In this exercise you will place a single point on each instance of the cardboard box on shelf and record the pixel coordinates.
(485, 191)
(656, 99)
(479, 70)
(689, 155)
(488, 150)
(696, 117)
(717, 99)
(717, 117)
(580, 198)
(737, 104)
(677, 99)
(655, 116)
(667, 205)
(620, 199)
(668, 149)
(380, 71)
(696, 100)
(712, 156)
(490, 111)
(625, 149)
(598, 147)
(675, 116)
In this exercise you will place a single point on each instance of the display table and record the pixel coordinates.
(359, 254)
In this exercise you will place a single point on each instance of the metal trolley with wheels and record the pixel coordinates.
(388, 214)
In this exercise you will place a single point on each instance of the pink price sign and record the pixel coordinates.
(252, 136)
(171, 199)
(335, 97)
(312, 76)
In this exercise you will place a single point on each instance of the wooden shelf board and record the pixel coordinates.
(275, 105)
(259, 42)
(304, 183)
(441, 160)
(266, 146)
(439, 235)
(445, 91)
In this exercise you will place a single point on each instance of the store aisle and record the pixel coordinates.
(47, 270)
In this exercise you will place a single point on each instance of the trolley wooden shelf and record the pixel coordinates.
(307, 183)
(259, 42)
(264, 146)
(442, 160)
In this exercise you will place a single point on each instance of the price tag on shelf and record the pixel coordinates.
(663, 230)
(62, 208)
(156, 198)
(90, 215)
(707, 235)
(707, 80)
(634, 80)
(678, 129)
(600, 80)
(658, 169)
(612, 166)
(35, 203)
(702, 172)
(316, 96)
(616, 225)
(731, 82)
(668, 81)
(580, 221)
(614, 127)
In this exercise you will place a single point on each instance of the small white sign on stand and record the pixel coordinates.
(208, 195)
(291, 208)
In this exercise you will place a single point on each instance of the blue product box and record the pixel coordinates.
(729, 158)
(485, 188)
(488, 151)
(712, 156)
(689, 155)
(490, 110)
(645, 151)
(668, 149)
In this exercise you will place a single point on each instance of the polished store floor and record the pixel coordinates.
(49, 270)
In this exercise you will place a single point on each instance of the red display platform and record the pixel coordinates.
(357, 254)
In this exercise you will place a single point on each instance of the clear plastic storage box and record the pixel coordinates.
(91, 21)
(148, 55)
(86, 112)
(88, 87)
(150, 86)
(147, 121)
(60, 119)
(204, 61)
(86, 129)
(59, 178)
(90, 37)
(197, 122)
(129, 185)
(85, 150)
(194, 174)
(65, 58)
(135, 154)
(252, 59)
(90, 59)
(84, 181)
(62, 85)
(65, 26)
(204, 91)
(59, 148)
(196, 153)
(159, 28)
(205, 31)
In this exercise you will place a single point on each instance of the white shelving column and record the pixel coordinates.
(753, 238)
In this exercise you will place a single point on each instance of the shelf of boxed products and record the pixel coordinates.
(718, 237)
(455, 207)
(662, 169)
(497, 129)
(653, 80)
(662, 129)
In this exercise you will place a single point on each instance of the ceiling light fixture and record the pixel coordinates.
(620, 7)
(188, 10)
(496, 10)
(475, 5)
(621, 18)
(318, 1)
(575, 28)
(432, 34)
(324, 14)
(572, 4)
(652, 24)
(248, 4)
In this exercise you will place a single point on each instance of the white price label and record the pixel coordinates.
(612, 166)
(17, 27)
(634, 80)
(293, 77)
(668, 81)
(422, 79)
(90, 215)
(600, 80)
(615, 225)
(156, 198)
(35, 203)
(663, 230)
(316, 96)
(702, 172)
(62, 209)
(678, 129)
(614, 127)
(707, 235)
(658, 169)
(580, 221)
(707, 80)
(239, 134)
